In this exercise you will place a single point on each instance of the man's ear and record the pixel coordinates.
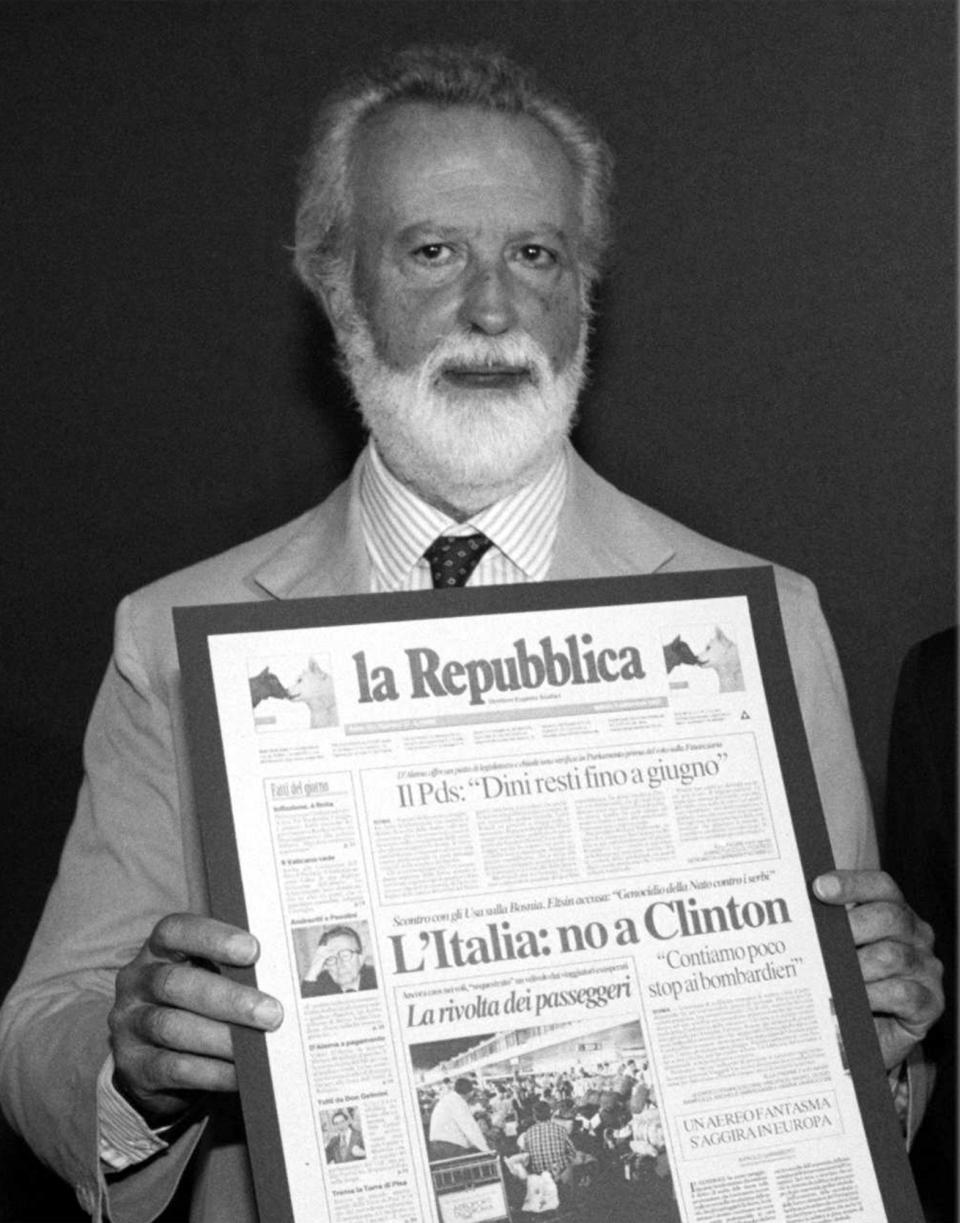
(335, 302)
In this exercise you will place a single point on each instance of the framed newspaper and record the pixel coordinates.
(536, 845)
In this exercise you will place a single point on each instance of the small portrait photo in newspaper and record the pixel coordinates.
(342, 1130)
(334, 959)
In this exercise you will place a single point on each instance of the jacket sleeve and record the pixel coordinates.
(122, 869)
(840, 780)
(826, 718)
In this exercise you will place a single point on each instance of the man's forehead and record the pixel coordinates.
(413, 155)
(426, 122)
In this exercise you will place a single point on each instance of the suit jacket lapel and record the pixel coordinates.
(327, 555)
(602, 532)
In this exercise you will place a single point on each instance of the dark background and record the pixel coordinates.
(775, 354)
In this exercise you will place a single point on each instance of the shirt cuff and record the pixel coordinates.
(125, 1138)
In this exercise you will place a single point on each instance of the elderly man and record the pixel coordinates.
(337, 966)
(451, 224)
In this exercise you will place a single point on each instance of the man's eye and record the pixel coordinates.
(433, 253)
(536, 256)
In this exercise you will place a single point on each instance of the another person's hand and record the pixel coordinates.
(170, 1023)
(895, 948)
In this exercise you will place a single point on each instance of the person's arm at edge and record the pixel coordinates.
(846, 804)
(110, 890)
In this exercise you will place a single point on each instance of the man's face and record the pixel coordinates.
(467, 294)
(340, 1123)
(341, 958)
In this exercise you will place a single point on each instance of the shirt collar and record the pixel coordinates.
(398, 526)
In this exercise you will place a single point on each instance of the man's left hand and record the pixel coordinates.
(895, 948)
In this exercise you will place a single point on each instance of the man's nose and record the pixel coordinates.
(488, 304)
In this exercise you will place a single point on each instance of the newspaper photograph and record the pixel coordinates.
(528, 880)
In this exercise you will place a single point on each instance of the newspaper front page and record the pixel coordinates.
(542, 853)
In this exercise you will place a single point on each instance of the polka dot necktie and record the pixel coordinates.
(453, 558)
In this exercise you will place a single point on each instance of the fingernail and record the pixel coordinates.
(827, 887)
(268, 1013)
(242, 948)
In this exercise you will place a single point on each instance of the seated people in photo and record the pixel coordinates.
(453, 222)
(548, 1144)
(346, 1145)
(454, 1130)
(338, 966)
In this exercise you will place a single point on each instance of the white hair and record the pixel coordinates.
(447, 76)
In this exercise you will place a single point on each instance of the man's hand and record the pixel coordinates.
(169, 1025)
(895, 948)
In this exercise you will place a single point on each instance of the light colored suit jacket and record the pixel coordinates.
(133, 852)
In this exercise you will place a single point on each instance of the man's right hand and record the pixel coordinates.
(170, 1023)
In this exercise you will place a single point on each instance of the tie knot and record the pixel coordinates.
(452, 558)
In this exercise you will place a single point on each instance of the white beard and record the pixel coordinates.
(464, 450)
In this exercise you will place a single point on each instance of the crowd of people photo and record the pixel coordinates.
(597, 1133)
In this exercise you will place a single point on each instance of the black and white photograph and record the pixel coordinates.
(553, 1120)
(334, 959)
(431, 299)
(343, 1135)
(703, 659)
(293, 694)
